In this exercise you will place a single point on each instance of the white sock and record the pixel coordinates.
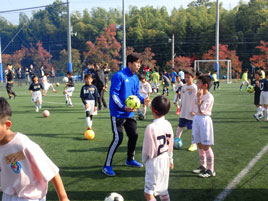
(266, 113)
(70, 101)
(259, 110)
(179, 132)
(89, 122)
(66, 97)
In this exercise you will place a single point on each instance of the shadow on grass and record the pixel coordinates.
(104, 149)
(175, 194)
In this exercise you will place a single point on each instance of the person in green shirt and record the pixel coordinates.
(155, 80)
(244, 79)
(216, 82)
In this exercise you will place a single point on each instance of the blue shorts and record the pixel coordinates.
(185, 123)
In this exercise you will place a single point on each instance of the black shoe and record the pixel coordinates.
(199, 170)
(207, 174)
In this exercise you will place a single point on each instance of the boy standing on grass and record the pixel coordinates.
(157, 153)
(216, 82)
(25, 168)
(202, 133)
(35, 90)
(145, 90)
(244, 79)
(89, 95)
(69, 89)
(177, 96)
(257, 94)
(188, 92)
(264, 95)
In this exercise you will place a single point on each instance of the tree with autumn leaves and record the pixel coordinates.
(261, 60)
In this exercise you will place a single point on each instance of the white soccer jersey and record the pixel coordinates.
(207, 101)
(145, 89)
(25, 168)
(178, 85)
(188, 93)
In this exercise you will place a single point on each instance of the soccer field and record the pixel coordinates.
(238, 139)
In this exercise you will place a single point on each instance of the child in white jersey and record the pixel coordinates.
(145, 90)
(202, 132)
(177, 96)
(188, 92)
(157, 153)
(47, 85)
(25, 168)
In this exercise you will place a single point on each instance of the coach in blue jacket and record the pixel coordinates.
(124, 83)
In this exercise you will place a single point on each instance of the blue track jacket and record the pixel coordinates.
(124, 83)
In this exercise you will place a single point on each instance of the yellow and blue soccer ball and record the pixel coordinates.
(133, 102)
(177, 144)
(250, 89)
(114, 197)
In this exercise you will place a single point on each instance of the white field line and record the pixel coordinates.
(231, 186)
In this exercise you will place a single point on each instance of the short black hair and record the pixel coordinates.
(160, 105)
(69, 73)
(88, 75)
(206, 79)
(258, 72)
(5, 110)
(34, 77)
(141, 77)
(133, 57)
(189, 72)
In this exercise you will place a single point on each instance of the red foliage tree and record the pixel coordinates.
(261, 60)
(105, 49)
(224, 54)
(180, 62)
(16, 58)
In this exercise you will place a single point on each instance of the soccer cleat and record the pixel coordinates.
(207, 173)
(260, 115)
(256, 117)
(108, 171)
(89, 128)
(133, 163)
(178, 111)
(199, 170)
(193, 147)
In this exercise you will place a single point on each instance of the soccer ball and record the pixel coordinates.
(46, 113)
(89, 135)
(177, 144)
(133, 102)
(250, 89)
(114, 197)
(65, 79)
(57, 84)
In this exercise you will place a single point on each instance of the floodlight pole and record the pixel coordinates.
(124, 35)
(217, 39)
(172, 51)
(1, 66)
(69, 48)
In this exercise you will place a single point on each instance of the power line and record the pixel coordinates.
(30, 8)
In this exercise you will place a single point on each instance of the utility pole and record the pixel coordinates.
(124, 35)
(1, 66)
(217, 39)
(69, 48)
(172, 51)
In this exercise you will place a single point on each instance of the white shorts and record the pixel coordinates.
(157, 175)
(155, 85)
(7, 197)
(264, 98)
(69, 91)
(46, 86)
(91, 107)
(36, 96)
(202, 130)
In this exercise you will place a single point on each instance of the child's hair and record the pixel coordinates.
(246, 70)
(258, 72)
(188, 72)
(87, 76)
(178, 76)
(215, 71)
(46, 73)
(69, 73)
(142, 77)
(160, 105)
(5, 110)
(205, 79)
(133, 57)
(34, 77)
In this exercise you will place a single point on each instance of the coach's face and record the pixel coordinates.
(135, 66)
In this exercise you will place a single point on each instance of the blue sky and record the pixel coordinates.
(80, 5)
